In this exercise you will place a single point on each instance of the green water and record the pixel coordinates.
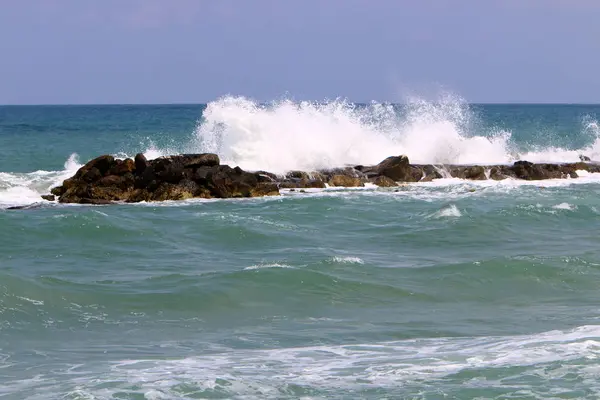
(444, 290)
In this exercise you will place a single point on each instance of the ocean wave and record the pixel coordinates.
(286, 135)
(508, 365)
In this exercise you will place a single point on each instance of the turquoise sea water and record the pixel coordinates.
(443, 290)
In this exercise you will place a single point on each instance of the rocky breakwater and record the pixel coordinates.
(105, 179)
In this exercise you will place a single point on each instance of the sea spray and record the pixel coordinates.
(285, 136)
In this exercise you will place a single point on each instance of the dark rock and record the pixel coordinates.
(345, 181)
(87, 200)
(91, 175)
(384, 181)
(264, 189)
(396, 168)
(474, 173)
(102, 164)
(225, 182)
(104, 180)
(428, 178)
(312, 183)
(198, 160)
(584, 158)
(58, 190)
(122, 167)
(170, 191)
(298, 175)
(49, 197)
(496, 173)
(140, 163)
(264, 176)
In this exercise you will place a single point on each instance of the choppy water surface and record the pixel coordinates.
(449, 289)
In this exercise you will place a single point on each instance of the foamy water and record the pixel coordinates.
(393, 366)
(285, 135)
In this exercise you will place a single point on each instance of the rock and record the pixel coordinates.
(87, 200)
(497, 174)
(312, 183)
(427, 178)
(584, 158)
(384, 181)
(226, 182)
(105, 180)
(474, 173)
(140, 163)
(170, 191)
(122, 167)
(264, 176)
(397, 168)
(58, 190)
(199, 160)
(345, 181)
(298, 175)
(264, 189)
(91, 175)
(102, 164)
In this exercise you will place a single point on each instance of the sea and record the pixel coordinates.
(450, 289)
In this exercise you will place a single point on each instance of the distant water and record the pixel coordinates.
(444, 290)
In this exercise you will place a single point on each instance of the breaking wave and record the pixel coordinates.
(287, 135)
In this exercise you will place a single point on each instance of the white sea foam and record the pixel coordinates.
(448, 212)
(564, 206)
(348, 260)
(263, 266)
(26, 188)
(285, 135)
(414, 363)
(288, 135)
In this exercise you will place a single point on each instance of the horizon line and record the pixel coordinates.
(265, 102)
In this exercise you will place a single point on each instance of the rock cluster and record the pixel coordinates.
(106, 179)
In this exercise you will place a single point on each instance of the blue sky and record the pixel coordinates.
(190, 51)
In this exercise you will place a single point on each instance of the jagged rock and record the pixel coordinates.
(298, 175)
(102, 164)
(264, 189)
(121, 167)
(140, 163)
(198, 160)
(105, 180)
(345, 181)
(312, 183)
(228, 182)
(427, 178)
(529, 171)
(396, 168)
(476, 172)
(384, 181)
(497, 174)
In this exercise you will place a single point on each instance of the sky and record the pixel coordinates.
(195, 51)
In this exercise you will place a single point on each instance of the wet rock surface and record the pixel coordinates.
(105, 180)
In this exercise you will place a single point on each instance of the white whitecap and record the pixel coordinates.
(267, 265)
